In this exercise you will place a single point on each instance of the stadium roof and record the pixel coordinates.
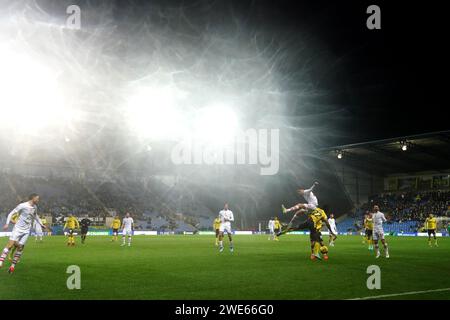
(424, 152)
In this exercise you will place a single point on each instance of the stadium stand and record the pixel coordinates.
(149, 205)
(407, 211)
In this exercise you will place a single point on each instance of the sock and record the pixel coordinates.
(386, 250)
(129, 240)
(231, 244)
(123, 240)
(435, 241)
(316, 248)
(221, 243)
(3, 255)
(429, 242)
(16, 258)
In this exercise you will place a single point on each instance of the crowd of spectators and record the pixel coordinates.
(408, 206)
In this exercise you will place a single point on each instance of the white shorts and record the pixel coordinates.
(311, 206)
(333, 230)
(225, 226)
(271, 230)
(19, 236)
(127, 232)
(378, 234)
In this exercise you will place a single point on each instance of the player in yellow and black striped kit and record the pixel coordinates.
(216, 227)
(71, 224)
(431, 225)
(368, 226)
(316, 218)
(115, 226)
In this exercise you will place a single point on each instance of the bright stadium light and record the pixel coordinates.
(30, 97)
(153, 113)
(339, 154)
(216, 124)
(404, 145)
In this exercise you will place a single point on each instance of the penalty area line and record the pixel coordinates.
(400, 294)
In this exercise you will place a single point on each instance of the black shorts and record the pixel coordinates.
(432, 232)
(308, 224)
(70, 232)
(115, 231)
(315, 235)
(217, 232)
(369, 233)
(84, 230)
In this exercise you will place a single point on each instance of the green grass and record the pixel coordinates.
(190, 267)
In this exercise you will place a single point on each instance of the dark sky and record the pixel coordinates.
(391, 81)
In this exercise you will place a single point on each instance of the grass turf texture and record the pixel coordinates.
(190, 267)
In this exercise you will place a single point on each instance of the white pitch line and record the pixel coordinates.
(400, 294)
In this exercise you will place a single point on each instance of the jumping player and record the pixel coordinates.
(378, 232)
(310, 198)
(27, 214)
(226, 217)
(430, 225)
(84, 223)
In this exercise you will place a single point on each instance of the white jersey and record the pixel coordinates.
(226, 216)
(27, 215)
(332, 223)
(37, 226)
(310, 198)
(378, 219)
(127, 223)
(271, 225)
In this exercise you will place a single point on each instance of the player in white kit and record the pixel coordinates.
(271, 227)
(38, 230)
(226, 217)
(27, 215)
(333, 229)
(127, 228)
(378, 232)
(311, 200)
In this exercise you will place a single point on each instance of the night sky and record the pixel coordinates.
(390, 81)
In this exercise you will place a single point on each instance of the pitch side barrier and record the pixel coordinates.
(156, 233)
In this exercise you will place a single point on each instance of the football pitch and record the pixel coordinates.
(190, 267)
